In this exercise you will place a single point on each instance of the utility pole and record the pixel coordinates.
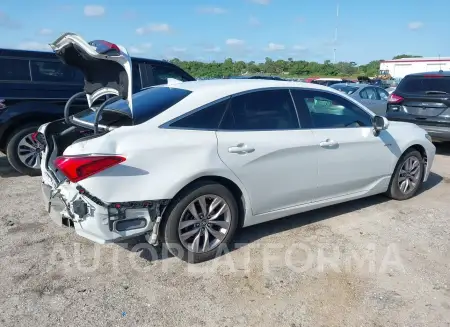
(336, 33)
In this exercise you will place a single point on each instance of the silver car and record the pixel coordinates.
(373, 97)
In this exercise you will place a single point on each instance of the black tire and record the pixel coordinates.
(172, 217)
(12, 150)
(394, 191)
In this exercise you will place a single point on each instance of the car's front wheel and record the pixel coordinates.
(200, 222)
(408, 176)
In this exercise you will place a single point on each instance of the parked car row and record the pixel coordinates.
(204, 158)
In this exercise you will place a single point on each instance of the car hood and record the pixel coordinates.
(106, 66)
(403, 125)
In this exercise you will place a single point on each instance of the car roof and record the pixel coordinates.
(204, 92)
(358, 85)
(225, 87)
(443, 73)
(328, 79)
(32, 54)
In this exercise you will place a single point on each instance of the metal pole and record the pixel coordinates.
(336, 31)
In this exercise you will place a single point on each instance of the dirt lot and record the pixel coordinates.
(371, 262)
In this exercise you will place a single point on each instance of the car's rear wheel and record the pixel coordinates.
(200, 222)
(23, 152)
(408, 176)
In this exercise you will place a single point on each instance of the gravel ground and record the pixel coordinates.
(371, 262)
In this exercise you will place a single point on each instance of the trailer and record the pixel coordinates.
(399, 68)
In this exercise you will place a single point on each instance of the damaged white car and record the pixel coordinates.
(190, 162)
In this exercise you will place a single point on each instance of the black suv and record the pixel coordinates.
(423, 99)
(35, 86)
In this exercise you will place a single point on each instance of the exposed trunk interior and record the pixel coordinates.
(58, 136)
(98, 73)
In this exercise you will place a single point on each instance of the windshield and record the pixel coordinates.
(345, 88)
(147, 104)
(424, 84)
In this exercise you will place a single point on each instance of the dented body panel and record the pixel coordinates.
(95, 224)
(147, 174)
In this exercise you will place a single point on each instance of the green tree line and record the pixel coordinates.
(290, 68)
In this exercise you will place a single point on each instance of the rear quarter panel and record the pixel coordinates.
(158, 163)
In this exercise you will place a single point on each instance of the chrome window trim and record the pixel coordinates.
(351, 100)
(167, 124)
(82, 123)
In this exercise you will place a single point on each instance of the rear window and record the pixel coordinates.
(422, 84)
(150, 102)
(345, 88)
(108, 117)
(14, 70)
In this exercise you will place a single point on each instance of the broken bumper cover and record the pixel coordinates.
(98, 225)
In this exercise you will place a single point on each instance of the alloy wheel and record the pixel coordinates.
(409, 175)
(204, 223)
(28, 152)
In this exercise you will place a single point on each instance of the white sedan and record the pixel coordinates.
(188, 163)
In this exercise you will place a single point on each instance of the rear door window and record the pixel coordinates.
(53, 71)
(383, 94)
(261, 110)
(207, 118)
(423, 84)
(369, 93)
(162, 73)
(14, 70)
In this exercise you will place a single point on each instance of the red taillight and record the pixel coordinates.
(394, 98)
(110, 45)
(104, 47)
(77, 168)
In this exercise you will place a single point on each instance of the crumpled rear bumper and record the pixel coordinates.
(56, 207)
(96, 225)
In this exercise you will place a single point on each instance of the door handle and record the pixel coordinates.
(328, 143)
(241, 148)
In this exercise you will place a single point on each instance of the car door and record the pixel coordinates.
(371, 99)
(261, 141)
(381, 104)
(351, 158)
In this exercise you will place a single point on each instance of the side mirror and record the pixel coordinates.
(379, 123)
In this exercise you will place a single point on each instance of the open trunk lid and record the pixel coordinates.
(106, 66)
